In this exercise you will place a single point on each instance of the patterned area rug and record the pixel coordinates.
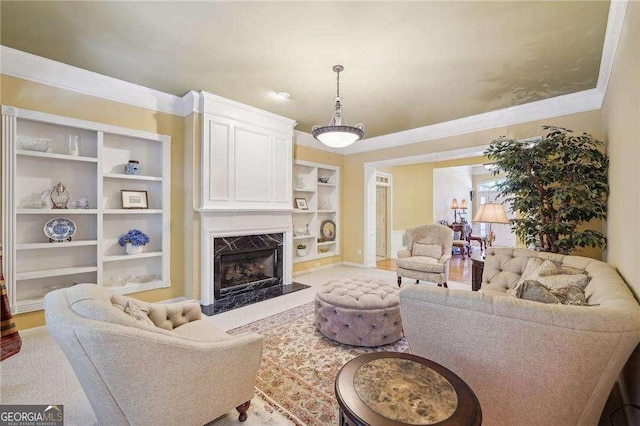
(299, 366)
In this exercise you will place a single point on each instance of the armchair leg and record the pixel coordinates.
(399, 281)
(445, 285)
(417, 281)
(242, 409)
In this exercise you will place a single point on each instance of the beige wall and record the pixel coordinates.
(450, 183)
(354, 165)
(621, 116)
(301, 152)
(39, 97)
(412, 195)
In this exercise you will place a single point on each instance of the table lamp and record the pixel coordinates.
(491, 213)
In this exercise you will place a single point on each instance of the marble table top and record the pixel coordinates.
(405, 391)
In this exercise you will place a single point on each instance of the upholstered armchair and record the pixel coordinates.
(427, 255)
(144, 363)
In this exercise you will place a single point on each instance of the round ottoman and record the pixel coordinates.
(359, 312)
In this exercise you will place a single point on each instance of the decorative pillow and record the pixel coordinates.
(428, 250)
(551, 275)
(139, 313)
(538, 292)
(532, 266)
(533, 290)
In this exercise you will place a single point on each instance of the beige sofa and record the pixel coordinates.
(151, 364)
(528, 362)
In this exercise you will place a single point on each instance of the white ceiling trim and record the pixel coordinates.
(615, 21)
(16, 63)
(452, 154)
(572, 103)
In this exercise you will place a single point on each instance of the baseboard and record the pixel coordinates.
(34, 330)
(315, 269)
(355, 265)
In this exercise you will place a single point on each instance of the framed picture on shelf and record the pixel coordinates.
(134, 199)
(301, 204)
(328, 230)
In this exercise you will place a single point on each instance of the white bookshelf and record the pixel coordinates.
(323, 201)
(30, 261)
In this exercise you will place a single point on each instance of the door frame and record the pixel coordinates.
(386, 181)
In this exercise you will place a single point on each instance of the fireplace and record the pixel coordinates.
(246, 264)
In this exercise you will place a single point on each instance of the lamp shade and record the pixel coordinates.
(463, 204)
(491, 213)
(337, 136)
(454, 204)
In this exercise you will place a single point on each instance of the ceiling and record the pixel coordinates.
(407, 64)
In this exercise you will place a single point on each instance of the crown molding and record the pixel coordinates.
(615, 22)
(572, 103)
(16, 63)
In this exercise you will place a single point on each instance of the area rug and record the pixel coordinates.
(299, 366)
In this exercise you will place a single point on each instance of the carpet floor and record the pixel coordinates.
(299, 366)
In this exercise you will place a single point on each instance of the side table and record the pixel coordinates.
(392, 388)
(477, 267)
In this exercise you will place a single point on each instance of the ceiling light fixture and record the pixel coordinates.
(338, 133)
(283, 95)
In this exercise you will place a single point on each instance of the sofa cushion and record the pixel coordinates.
(201, 331)
(428, 250)
(538, 292)
(421, 263)
(550, 274)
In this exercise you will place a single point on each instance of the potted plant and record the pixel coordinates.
(133, 241)
(556, 185)
(301, 250)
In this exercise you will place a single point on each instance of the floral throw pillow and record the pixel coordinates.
(538, 292)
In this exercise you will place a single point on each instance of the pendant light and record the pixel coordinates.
(338, 133)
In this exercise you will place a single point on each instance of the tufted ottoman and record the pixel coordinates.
(359, 312)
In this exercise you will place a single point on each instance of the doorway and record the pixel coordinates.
(383, 215)
(381, 222)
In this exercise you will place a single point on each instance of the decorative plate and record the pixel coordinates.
(60, 229)
(328, 230)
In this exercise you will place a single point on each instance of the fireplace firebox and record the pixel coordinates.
(245, 264)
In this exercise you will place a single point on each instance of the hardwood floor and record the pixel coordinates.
(459, 268)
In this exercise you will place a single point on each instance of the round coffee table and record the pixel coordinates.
(391, 388)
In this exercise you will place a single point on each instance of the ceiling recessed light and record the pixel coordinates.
(283, 95)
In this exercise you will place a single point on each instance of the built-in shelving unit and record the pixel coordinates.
(323, 202)
(33, 265)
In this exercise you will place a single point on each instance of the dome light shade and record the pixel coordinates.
(338, 133)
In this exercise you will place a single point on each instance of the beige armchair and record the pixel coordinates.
(150, 364)
(427, 255)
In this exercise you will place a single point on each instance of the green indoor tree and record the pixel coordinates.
(555, 185)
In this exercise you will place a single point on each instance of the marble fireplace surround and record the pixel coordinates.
(226, 224)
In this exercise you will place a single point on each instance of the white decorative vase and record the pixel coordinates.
(301, 252)
(131, 249)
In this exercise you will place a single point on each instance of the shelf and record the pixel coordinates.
(133, 211)
(36, 246)
(304, 190)
(298, 211)
(132, 287)
(115, 258)
(44, 273)
(303, 237)
(326, 211)
(326, 243)
(327, 184)
(50, 155)
(131, 177)
(58, 212)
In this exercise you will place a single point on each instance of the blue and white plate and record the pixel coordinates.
(60, 229)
